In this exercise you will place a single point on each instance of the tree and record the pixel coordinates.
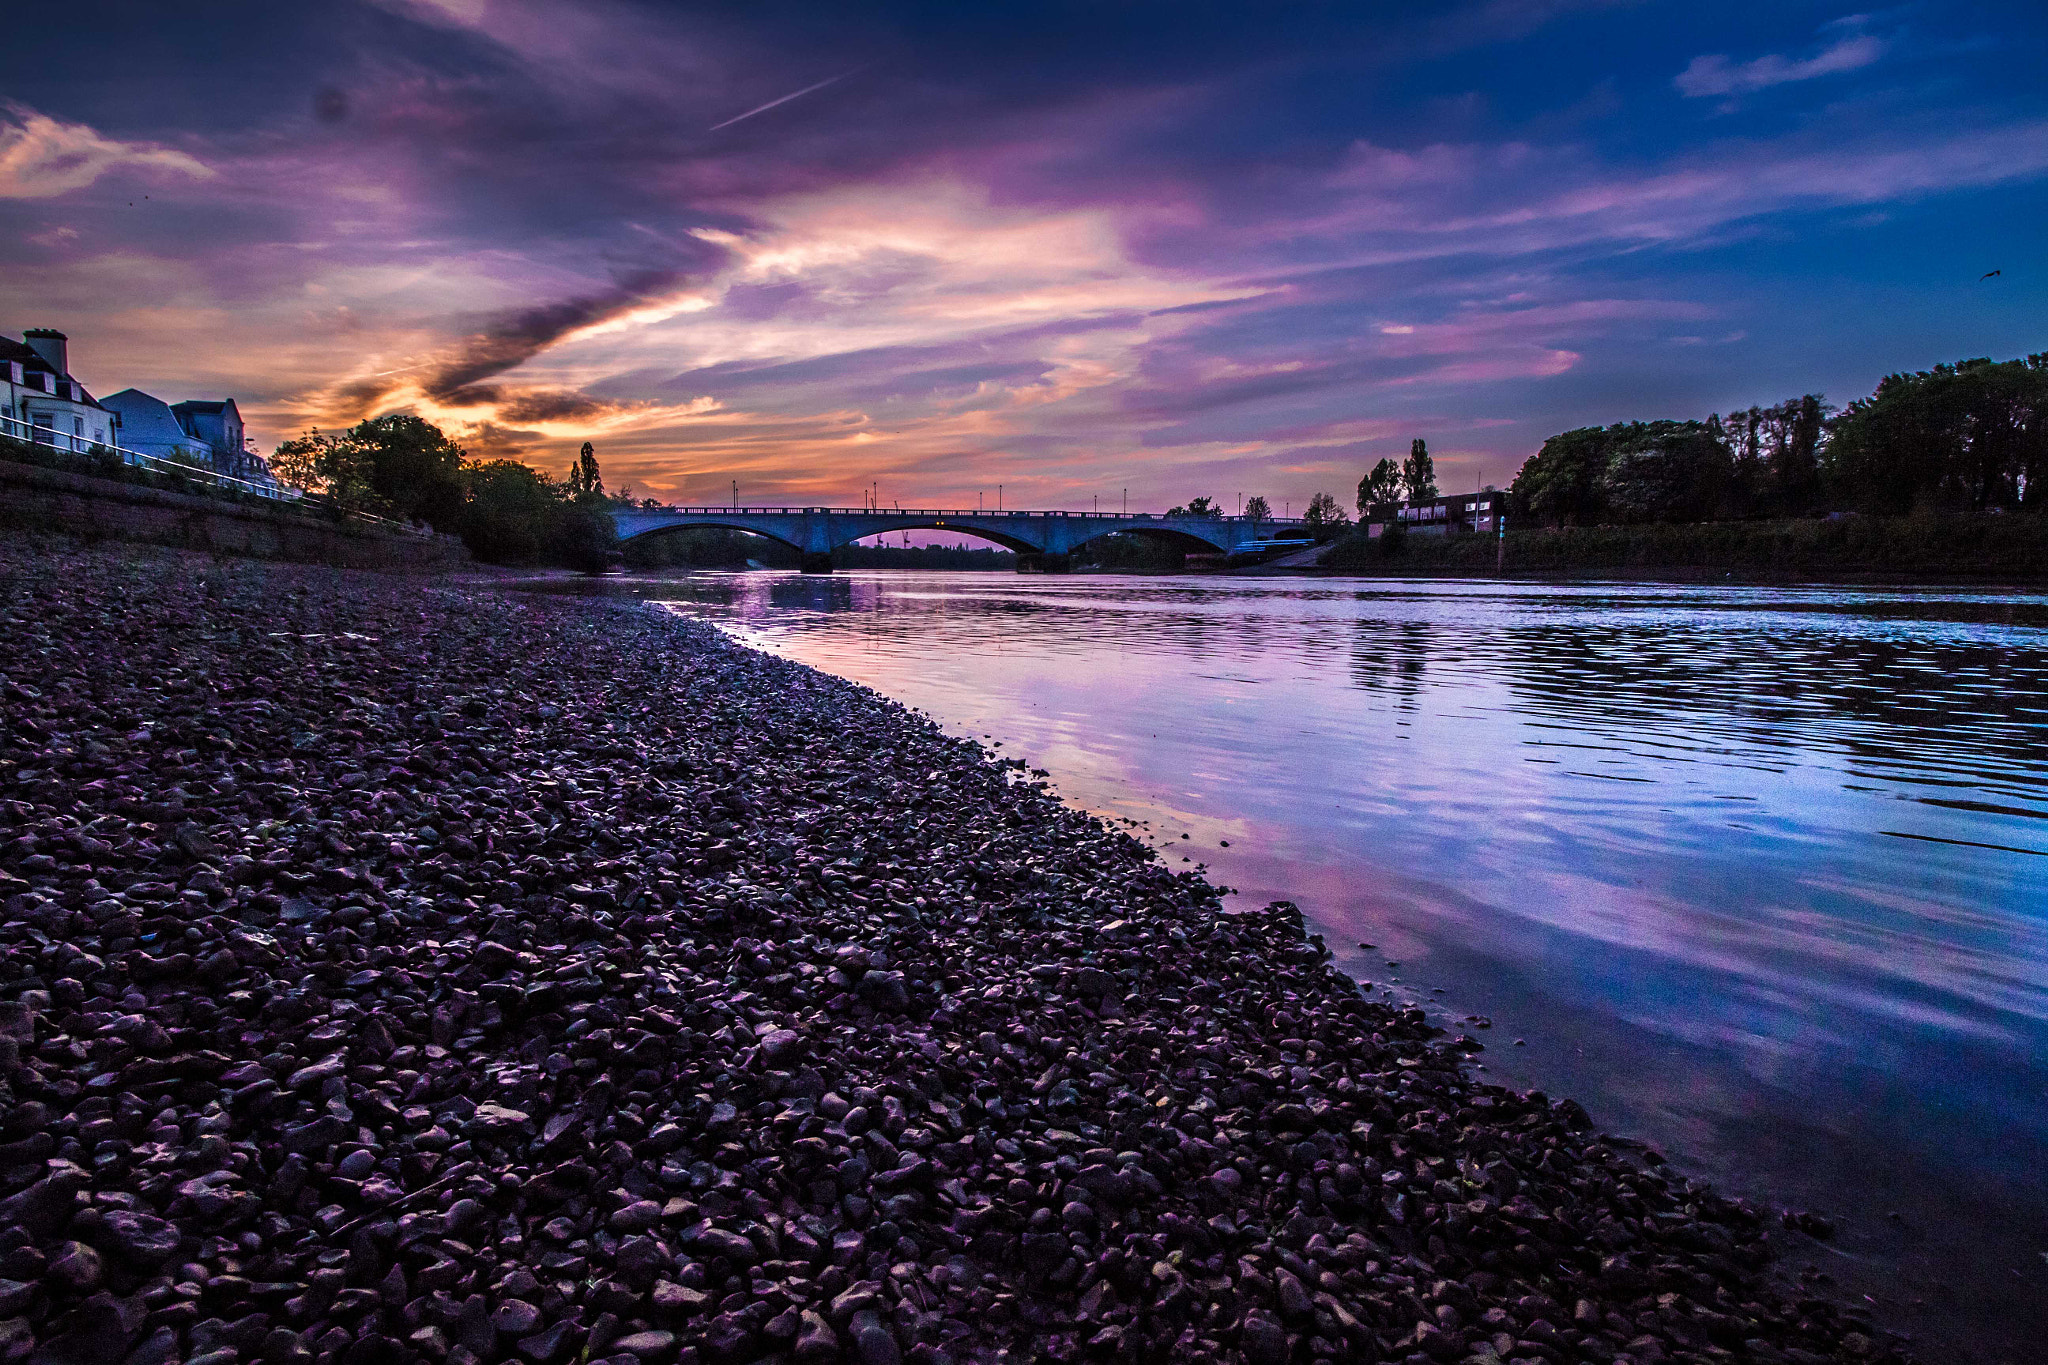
(508, 517)
(398, 465)
(1560, 485)
(335, 465)
(1257, 509)
(1418, 472)
(1197, 507)
(1669, 472)
(1380, 487)
(1968, 436)
(1776, 456)
(584, 479)
(1324, 516)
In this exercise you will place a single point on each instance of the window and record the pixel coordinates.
(78, 426)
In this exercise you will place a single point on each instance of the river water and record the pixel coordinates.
(1758, 875)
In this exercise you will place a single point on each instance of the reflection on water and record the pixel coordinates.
(1761, 874)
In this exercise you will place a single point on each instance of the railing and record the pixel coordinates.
(51, 439)
(961, 514)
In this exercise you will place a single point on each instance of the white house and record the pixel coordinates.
(41, 402)
(150, 427)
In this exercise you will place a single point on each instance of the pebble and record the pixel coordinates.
(394, 972)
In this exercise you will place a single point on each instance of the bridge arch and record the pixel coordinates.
(734, 524)
(979, 530)
(1176, 536)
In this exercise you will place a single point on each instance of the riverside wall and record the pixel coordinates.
(34, 499)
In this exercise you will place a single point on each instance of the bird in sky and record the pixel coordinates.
(1988, 274)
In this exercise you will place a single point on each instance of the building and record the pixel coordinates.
(40, 401)
(149, 426)
(1452, 514)
(218, 422)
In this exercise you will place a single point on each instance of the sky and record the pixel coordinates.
(1085, 251)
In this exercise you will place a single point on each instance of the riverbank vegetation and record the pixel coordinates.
(406, 468)
(1942, 471)
(2007, 547)
(1965, 438)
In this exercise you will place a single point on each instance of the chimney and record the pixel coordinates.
(49, 343)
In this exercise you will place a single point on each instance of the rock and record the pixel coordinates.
(651, 1345)
(883, 991)
(545, 1348)
(816, 1342)
(1263, 1341)
(637, 1216)
(75, 1269)
(516, 1318)
(679, 1300)
(873, 1343)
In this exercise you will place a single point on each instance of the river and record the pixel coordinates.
(1758, 875)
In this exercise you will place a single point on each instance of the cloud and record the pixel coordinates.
(1717, 75)
(41, 158)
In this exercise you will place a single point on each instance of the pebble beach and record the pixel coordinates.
(402, 971)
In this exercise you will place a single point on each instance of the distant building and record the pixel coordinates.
(217, 422)
(1452, 514)
(149, 426)
(40, 401)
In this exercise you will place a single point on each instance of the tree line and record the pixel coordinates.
(404, 467)
(1965, 437)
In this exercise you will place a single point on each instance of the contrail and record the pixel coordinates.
(784, 100)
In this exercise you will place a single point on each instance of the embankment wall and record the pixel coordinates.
(34, 499)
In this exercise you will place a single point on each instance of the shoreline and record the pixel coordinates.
(729, 1011)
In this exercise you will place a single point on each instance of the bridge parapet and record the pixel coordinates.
(817, 531)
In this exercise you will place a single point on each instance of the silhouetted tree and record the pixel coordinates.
(1380, 487)
(584, 479)
(1197, 507)
(1257, 509)
(1418, 472)
(398, 465)
(1324, 516)
(1968, 436)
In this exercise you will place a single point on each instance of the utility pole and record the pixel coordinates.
(735, 495)
(1127, 502)
(999, 498)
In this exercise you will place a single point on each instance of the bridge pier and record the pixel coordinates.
(814, 562)
(1029, 561)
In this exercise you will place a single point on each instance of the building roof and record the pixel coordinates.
(11, 349)
(203, 405)
(146, 418)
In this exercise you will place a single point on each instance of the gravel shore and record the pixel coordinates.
(396, 972)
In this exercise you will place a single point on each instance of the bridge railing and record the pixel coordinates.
(957, 513)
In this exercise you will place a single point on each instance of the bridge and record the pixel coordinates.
(1042, 540)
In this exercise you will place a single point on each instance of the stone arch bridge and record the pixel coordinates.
(1041, 539)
